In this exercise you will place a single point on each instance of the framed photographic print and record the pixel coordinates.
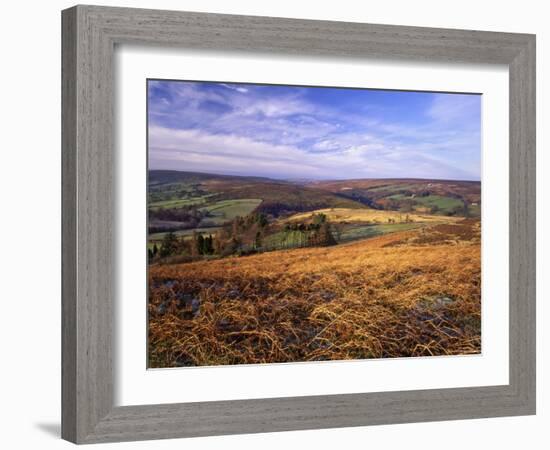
(348, 182)
(279, 224)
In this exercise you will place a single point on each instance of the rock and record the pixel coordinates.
(161, 309)
(234, 294)
(327, 296)
(184, 361)
(190, 305)
(223, 323)
(195, 306)
(441, 301)
(444, 301)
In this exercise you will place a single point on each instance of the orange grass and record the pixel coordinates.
(415, 293)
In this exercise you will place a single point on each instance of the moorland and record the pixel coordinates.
(246, 270)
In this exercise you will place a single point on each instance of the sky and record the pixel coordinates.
(315, 133)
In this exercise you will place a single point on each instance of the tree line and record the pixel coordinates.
(248, 234)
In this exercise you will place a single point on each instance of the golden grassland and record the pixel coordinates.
(369, 215)
(413, 293)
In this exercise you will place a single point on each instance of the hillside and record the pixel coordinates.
(241, 215)
(444, 197)
(159, 177)
(278, 197)
(411, 293)
(368, 215)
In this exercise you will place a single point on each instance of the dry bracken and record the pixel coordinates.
(413, 293)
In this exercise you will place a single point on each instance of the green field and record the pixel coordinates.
(284, 239)
(179, 202)
(443, 203)
(392, 187)
(226, 210)
(474, 210)
(289, 239)
(364, 232)
(184, 233)
(355, 209)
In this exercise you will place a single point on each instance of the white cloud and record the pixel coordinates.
(196, 150)
(452, 107)
(285, 135)
(233, 87)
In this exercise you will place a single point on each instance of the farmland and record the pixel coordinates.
(187, 204)
(440, 197)
(223, 211)
(311, 223)
(246, 270)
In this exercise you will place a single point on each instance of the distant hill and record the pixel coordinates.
(175, 176)
(280, 197)
(446, 197)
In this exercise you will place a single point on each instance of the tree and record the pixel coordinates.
(218, 245)
(195, 250)
(337, 230)
(208, 245)
(325, 235)
(466, 209)
(169, 244)
(322, 236)
(320, 218)
(262, 220)
(235, 227)
(200, 245)
(258, 240)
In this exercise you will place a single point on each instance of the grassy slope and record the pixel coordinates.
(179, 202)
(227, 187)
(445, 194)
(225, 210)
(412, 293)
(368, 215)
(364, 232)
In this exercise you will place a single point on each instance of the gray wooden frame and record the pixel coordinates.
(89, 37)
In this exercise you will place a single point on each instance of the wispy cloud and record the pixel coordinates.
(235, 87)
(287, 132)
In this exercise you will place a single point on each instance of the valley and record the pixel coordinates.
(247, 270)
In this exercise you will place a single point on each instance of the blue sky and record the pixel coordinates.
(292, 132)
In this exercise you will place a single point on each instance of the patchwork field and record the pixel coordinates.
(310, 223)
(408, 293)
(441, 197)
(246, 270)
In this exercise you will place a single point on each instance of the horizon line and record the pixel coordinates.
(313, 179)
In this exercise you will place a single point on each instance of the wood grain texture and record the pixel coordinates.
(68, 226)
(89, 36)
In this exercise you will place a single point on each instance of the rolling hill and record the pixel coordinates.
(210, 204)
(445, 197)
(412, 293)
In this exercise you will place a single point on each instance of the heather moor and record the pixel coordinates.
(293, 224)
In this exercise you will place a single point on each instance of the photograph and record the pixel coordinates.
(295, 224)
